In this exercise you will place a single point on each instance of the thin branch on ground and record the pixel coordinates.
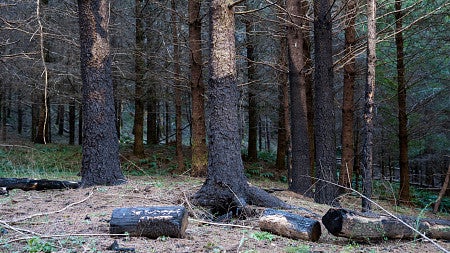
(52, 212)
(220, 224)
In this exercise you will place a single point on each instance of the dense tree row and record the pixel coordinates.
(291, 77)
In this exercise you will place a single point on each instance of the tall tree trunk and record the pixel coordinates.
(80, 125)
(309, 96)
(139, 65)
(100, 161)
(300, 178)
(43, 127)
(404, 193)
(283, 108)
(19, 112)
(348, 105)
(177, 88)
(199, 150)
(324, 121)
(60, 121)
(43, 124)
(367, 166)
(152, 126)
(252, 102)
(226, 187)
(3, 112)
(72, 118)
(34, 116)
(167, 120)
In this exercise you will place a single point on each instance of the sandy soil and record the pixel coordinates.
(78, 221)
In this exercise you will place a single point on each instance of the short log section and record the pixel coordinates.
(151, 222)
(372, 226)
(290, 225)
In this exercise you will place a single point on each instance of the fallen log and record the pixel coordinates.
(372, 226)
(28, 184)
(151, 222)
(290, 225)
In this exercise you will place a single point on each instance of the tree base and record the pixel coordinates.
(222, 199)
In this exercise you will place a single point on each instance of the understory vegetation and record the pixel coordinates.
(59, 161)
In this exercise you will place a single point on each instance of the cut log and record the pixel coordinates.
(365, 226)
(290, 225)
(28, 184)
(151, 222)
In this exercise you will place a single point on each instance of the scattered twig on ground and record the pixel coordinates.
(221, 224)
(52, 212)
(189, 205)
(18, 230)
(59, 236)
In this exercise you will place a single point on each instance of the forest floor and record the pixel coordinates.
(78, 220)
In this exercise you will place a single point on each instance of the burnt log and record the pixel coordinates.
(372, 226)
(290, 225)
(151, 222)
(28, 184)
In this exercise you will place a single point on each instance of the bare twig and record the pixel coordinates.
(53, 212)
(221, 224)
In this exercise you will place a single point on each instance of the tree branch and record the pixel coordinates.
(235, 3)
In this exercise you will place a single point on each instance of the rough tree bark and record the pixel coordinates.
(369, 103)
(404, 193)
(177, 88)
(299, 180)
(348, 105)
(324, 121)
(199, 151)
(284, 132)
(226, 187)
(100, 161)
(72, 122)
(252, 101)
(139, 69)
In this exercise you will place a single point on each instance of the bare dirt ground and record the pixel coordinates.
(78, 221)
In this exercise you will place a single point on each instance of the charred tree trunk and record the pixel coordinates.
(199, 151)
(152, 126)
(300, 180)
(252, 102)
(19, 112)
(324, 121)
(72, 117)
(404, 193)
(226, 187)
(348, 104)
(60, 120)
(100, 161)
(283, 110)
(139, 65)
(178, 89)
(80, 125)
